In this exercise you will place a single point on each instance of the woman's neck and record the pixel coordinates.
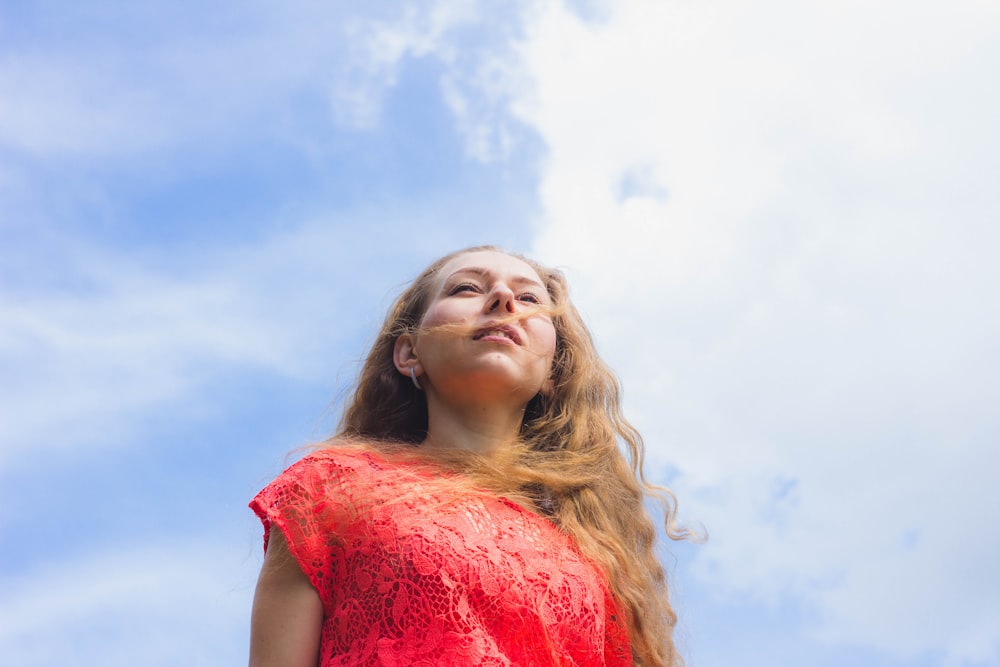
(486, 431)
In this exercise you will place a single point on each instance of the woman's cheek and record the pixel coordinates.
(547, 338)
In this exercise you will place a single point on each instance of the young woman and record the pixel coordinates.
(475, 507)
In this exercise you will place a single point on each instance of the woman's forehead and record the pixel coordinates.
(491, 262)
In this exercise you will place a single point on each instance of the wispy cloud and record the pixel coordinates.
(82, 363)
(474, 43)
(182, 603)
(97, 93)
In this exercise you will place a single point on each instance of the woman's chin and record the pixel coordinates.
(490, 388)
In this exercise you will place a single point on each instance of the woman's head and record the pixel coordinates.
(485, 339)
(388, 406)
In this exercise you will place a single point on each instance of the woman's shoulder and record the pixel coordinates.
(359, 453)
(359, 461)
(334, 470)
(345, 452)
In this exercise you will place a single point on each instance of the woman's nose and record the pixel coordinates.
(501, 298)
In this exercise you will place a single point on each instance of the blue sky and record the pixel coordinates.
(779, 218)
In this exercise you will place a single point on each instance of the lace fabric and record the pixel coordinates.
(414, 572)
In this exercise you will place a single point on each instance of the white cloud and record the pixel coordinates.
(791, 202)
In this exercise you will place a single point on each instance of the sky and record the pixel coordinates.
(779, 219)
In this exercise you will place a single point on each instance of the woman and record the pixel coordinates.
(474, 507)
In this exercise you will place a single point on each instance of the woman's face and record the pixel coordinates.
(500, 340)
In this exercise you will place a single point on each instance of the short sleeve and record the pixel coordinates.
(307, 505)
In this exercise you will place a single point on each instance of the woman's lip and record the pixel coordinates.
(509, 334)
(497, 339)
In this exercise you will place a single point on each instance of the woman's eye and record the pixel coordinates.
(529, 298)
(464, 287)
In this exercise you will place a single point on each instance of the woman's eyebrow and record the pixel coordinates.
(486, 274)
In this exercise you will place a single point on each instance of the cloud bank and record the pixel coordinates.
(778, 218)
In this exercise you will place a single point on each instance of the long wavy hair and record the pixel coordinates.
(579, 461)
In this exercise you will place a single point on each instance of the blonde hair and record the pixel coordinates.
(569, 466)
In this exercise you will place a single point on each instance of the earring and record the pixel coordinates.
(413, 376)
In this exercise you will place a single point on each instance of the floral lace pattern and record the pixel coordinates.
(413, 573)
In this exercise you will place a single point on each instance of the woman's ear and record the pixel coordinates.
(404, 356)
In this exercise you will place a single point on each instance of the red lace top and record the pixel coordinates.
(415, 573)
